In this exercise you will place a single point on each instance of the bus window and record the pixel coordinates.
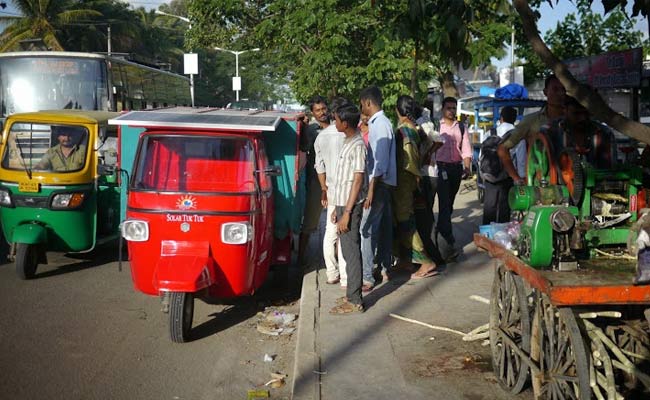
(135, 90)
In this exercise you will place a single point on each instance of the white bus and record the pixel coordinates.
(50, 80)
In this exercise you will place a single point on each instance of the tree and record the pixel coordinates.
(92, 34)
(337, 47)
(42, 19)
(585, 95)
(587, 33)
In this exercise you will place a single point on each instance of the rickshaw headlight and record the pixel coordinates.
(135, 230)
(236, 232)
(67, 200)
(5, 198)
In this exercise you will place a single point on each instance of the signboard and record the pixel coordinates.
(190, 64)
(615, 69)
(236, 83)
(506, 76)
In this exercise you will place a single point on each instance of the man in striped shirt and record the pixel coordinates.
(349, 195)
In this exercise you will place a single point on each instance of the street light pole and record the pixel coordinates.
(190, 24)
(236, 78)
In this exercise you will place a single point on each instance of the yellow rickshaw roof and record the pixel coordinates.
(63, 116)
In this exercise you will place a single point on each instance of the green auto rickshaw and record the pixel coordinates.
(58, 184)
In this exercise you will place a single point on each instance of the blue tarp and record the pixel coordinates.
(511, 91)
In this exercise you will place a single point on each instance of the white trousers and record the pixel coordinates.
(331, 244)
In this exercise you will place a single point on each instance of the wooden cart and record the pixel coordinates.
(579, 335)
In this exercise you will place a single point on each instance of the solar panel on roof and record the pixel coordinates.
(191, 118)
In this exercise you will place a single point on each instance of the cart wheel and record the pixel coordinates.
(632, 337)
(509, 325)
(26, 260)
(181, 311)
(562, 354)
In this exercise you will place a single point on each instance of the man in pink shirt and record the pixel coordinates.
(453, 160)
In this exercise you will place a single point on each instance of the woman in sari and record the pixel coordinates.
(412, 250)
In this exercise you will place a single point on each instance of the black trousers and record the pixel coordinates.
(495, 201)
(449, 176)
(424, 219)
(351, 248)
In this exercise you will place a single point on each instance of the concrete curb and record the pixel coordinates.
(306, 380)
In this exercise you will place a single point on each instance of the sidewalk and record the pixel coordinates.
(376, 356)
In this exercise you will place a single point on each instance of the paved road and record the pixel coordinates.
(80, 331)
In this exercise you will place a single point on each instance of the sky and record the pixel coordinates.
(551, 16)
(147, 4)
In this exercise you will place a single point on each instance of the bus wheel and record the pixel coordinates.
(181, 312)
(26, 260)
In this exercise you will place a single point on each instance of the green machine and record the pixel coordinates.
(571, 210)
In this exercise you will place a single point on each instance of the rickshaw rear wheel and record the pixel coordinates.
(26, 260)
(181, 312)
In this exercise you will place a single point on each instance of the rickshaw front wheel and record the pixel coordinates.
(181, 312)
(26, 260)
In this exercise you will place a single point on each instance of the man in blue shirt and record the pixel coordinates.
(381, 169)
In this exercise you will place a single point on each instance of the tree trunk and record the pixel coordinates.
(448, 86)
(583, 93)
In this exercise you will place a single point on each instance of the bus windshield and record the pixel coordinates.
(51, 83)
(195, 164)
(44, 147)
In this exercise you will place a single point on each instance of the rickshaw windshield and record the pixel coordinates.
(44, 147)
(195, 164)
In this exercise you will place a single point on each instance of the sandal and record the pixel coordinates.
(347, 308)
(425, 274)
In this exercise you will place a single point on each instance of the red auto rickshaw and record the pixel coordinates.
(213, 199)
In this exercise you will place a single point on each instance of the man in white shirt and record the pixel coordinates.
(327, 148)
(495, 202)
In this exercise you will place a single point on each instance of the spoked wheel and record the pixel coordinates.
(181, 312)
(573, 175)
(540, 165)
(632, 339)
(562, 355)
(26, 260)
(509, 326)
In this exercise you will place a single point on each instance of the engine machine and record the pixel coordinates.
(572, 211)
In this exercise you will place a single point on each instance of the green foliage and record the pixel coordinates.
(588, 33)
(42, 19)
(582, 34)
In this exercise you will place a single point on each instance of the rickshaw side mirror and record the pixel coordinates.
(271, 170)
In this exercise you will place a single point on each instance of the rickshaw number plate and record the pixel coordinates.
(31, 187)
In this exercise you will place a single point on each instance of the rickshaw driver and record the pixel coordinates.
(67, 155)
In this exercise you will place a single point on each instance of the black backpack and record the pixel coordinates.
(489, 163)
